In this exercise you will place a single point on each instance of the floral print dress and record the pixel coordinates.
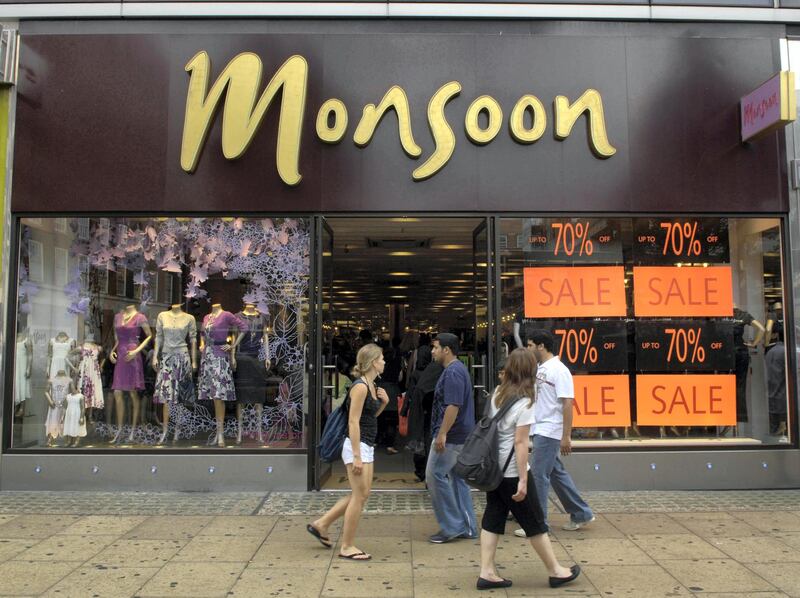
(216, 374)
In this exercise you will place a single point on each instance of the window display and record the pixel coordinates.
(665, 323)
(167, 332)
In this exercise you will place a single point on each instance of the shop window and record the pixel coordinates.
(672, 327)
(86, 369)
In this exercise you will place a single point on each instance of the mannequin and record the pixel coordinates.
(174, 378)
(56, 395)
(129, 325)
(73, 419)
(252, 367)
(218, 362)
(58, 354)
(90, 383)
(22, 372)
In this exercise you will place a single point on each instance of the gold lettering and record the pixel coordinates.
(395, 99)
(566, 114)
(538, 120)
(495, 113)
(441, 131)
(242, 116)
(339, 111)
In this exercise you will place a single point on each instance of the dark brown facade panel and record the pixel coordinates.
(100, 121)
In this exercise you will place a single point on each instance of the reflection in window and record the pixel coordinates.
(93, 334)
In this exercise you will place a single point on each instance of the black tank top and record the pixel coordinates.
(368, 423)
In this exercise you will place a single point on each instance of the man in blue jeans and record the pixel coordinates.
(552, 432)
(452, 419)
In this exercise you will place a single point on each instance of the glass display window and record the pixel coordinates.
(161, 332)
(672, 327)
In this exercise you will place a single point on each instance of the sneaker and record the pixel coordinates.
(440, 538)
(574, 526)
(467, 536)
(520, 533)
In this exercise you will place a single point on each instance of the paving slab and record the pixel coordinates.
(103, 525)
(635, 580)
(169, 528)
(715, 524)
(138, 553)
(770, 521)
(193, 580)
(293, 554)
(606, 551)
(219, 549)
(239, 525)
(757, 549)
(31, 578)
(9, 548)
(645, 523)
(101, 582)
(66, 548)
(676, 546)
(784, 576)
(36, 526)
(285, 582)
(716, 575)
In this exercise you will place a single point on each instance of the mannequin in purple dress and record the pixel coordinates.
(218, 361)
(129, 327)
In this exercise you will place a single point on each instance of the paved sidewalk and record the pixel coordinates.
(248, 544)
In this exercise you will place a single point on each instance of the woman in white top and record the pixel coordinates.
(516, 493)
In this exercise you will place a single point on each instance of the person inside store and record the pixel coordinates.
(517, 492)
(390, 380)
(552, 432)
(366, 401)
(452, 419)
(775, 362)
(419, 404)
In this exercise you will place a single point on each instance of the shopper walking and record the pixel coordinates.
(452, 419)
(358, 453)
(553, 430)
(517, 491)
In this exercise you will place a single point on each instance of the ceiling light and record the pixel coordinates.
(401, 253)
(398, 297)
(404, 219)
(450, 247)
(398, 286)
(399, 273)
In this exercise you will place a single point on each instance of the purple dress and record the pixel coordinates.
(128, 375)
(216, 375)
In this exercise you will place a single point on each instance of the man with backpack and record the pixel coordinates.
(452, 419)
(552, 432)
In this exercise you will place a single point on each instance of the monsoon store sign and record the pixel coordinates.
(236, 90)
(772, 105)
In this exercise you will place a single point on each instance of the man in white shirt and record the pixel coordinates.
(552, 432)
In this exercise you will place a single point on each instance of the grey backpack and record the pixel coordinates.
(477, 463)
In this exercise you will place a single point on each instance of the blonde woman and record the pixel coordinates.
(517, 492)
(365, 403)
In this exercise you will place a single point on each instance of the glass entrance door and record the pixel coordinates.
(323, 359)
(482, 362)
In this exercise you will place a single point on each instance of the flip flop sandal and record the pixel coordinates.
(356, 556)
(324, 540)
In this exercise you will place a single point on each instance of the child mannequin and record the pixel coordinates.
(74, 418)
(56, 395)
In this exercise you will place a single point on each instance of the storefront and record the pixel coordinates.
(179, 186)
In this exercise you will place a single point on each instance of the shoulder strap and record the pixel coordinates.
(505, 408)
(352, 386)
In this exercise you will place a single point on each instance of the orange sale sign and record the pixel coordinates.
(580, 292)
(601, 401)
(686, 399)
(687, 292)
